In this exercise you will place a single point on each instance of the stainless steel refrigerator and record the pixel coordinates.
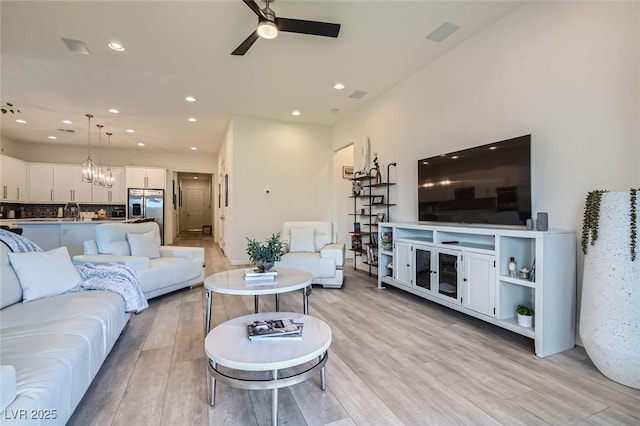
(147, 203)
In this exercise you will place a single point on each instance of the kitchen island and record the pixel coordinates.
(50, 233)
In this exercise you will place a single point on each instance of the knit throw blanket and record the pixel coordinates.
(113, 277)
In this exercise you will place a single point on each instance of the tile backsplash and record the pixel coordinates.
(51, 210)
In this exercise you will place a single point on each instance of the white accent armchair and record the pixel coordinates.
(311, 248)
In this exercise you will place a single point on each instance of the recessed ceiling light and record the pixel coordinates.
(140, 143)
(67, 121)
(194, 148)
(295, 112)
(339, 86)
(117, 46)
(114, 111)
(455, 157)
(492, 148)
(190, 99)
(195, 177)
(192, 119)
(53, 138)
(130, 131)
(21, 121)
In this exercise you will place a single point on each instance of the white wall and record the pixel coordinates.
(292, 161)
(342, 190)
(566, 72)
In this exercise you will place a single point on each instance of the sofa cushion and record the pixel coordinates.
(323, 232)
(168, 271)
(146, 245)
(302, 240)
(7, 385)
(10, 290)
(111, 238)
(310, 262)
(44, 274)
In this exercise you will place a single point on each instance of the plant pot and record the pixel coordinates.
(264, 266)
(525, 320)
(609, 314)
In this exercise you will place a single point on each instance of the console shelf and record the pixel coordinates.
(466, 268)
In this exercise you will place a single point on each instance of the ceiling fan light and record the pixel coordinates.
(267, 30)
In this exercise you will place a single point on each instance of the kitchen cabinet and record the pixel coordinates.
(117, 194)
(466, 269)
(13, 180)
(40, 183)
(68, 184)
(146, 177)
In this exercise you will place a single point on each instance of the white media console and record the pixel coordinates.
(466, 268)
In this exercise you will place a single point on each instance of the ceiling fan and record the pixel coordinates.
(269, 26)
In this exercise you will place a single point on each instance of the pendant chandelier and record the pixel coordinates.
(88, 167)
(98, 176)
(108, 175)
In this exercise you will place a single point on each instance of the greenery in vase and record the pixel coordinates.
(592, 217)
(265, 254)
(524, 310)
(7, 107)
(633, 217)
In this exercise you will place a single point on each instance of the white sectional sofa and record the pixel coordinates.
(160, 269)
(51, 348)
(311, 248)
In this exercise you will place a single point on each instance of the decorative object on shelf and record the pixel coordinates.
(530, 224)
(374, 239)
(387, 240)
(347, 172)
(356, 242)
(377, 199)
(366, 150)
(512, 267)
(525, 316)
(8, 108)
(524, 273)
(380, 217)
(264, 256)
(88, 167)
(542, 221)
(356, 188)
(609, 314)
(376, 166)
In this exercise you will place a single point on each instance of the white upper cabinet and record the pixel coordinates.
(146, 177)
(13, 180)
(114, 195)
(68, 184)
(40, 182)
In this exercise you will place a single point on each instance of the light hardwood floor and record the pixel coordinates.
(395, 359)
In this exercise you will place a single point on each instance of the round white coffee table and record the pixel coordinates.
(233, 282)
(228, 345)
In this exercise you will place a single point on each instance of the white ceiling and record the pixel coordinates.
(180, 48)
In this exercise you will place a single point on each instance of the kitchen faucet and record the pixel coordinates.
(74, 209)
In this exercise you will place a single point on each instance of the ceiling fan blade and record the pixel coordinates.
(245, 45)
(301, 26)
(256, 9)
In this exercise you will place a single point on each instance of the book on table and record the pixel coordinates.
(275, 329)
(253, 274)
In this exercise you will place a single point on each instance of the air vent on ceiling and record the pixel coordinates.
(76, 46)
(67, 130)
(358, 94)
(443, 31)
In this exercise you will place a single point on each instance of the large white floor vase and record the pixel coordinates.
(610, 311)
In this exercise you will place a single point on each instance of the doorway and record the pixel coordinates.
(195, 206)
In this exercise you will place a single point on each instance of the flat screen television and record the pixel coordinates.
(486, 184)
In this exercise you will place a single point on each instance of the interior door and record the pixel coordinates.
(195, 209)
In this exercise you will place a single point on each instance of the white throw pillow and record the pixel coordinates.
(303, 240)
(146, 245)
(44, 274)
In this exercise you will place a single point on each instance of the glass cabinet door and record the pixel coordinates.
(448, 275)
(423, 269)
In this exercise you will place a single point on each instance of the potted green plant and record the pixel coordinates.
(609, 312)
(263, 256)
(525, 316)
